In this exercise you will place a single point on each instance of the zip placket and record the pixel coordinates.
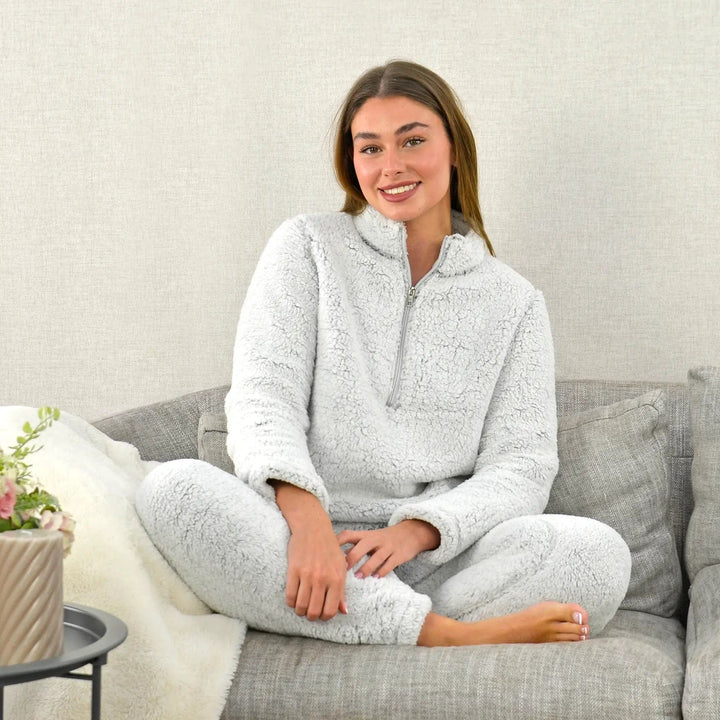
(409, 300)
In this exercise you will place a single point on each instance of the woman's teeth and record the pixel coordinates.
(398, 190)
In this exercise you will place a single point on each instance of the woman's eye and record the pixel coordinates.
(414, 141)
(370, 150)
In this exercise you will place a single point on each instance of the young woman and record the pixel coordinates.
(391, 417)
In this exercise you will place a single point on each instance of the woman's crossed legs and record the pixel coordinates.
(531, 579)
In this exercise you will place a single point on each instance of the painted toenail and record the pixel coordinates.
(359, 575)
(585, 630)
(583, 637)
(577, 617)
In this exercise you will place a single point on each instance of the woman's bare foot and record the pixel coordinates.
(544, 622)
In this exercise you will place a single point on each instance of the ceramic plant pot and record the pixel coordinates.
(31, 595)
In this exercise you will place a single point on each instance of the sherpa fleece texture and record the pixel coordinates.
(386, 403)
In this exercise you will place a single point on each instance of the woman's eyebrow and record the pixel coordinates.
(410, 126)
(402, 129)
(366, 136)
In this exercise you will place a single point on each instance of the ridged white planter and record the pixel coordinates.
(31, 595)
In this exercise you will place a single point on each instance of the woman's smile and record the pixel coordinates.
(398, 193)
(403, 158)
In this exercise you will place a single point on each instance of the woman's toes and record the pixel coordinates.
(570, 638)
(577, 614)
(575, 632)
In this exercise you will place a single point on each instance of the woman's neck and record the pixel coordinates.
(423, 246)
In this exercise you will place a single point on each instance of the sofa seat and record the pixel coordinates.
(633, 669)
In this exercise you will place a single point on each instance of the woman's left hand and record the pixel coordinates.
(388, 547)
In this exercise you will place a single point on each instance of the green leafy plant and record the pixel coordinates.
(24, 504)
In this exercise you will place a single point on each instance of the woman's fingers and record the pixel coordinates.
(291, 588)
(358, 551)
(322, 595)
(316, 600)
(375, 563)
(330, 606)
(349, 537)
(378, 547)
(382, 570)
(364, 543)
(316, 604)
(302, 598)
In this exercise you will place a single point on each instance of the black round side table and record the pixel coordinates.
(90, 635)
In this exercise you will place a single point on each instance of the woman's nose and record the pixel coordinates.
(393, 162)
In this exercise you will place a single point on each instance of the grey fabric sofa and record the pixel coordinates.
(654, 659)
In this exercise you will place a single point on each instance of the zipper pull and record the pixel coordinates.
(411, 296)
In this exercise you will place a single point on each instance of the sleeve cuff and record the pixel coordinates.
(449, 531)
(258, 480)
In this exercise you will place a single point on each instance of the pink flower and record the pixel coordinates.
(7, 501)
(59, 521)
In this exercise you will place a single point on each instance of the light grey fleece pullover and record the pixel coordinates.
(389, 402)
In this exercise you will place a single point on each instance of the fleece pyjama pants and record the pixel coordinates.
(229, 544)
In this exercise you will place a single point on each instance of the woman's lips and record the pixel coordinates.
(399, 192)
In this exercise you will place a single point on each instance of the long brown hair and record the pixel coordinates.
(416, 82)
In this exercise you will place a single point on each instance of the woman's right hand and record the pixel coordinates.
(317, 569)
(316, 574)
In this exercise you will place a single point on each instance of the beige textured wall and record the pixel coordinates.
(147, 150)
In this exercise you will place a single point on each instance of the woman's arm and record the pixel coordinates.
(517, 459)
(316, 564)
(273, 366)
(268, 419)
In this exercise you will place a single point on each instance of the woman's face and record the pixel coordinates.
(402, 157)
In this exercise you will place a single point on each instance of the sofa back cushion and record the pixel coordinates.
(703, 537)
(578, 395)
(166, 430)
(212, 441)
(614, 464)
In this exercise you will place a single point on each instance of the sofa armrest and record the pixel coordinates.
(165, 430)
(701, 698)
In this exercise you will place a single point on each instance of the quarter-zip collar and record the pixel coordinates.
(464, 250)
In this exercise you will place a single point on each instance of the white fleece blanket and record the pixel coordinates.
(179, 658)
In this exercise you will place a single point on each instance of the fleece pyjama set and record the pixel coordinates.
(388, 402)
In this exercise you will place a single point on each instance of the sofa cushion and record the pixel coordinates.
(702, 546)
(701, 700)
(212, 441)
(633, 669)
(614, 468)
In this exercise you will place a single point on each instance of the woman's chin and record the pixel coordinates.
(393, 212)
